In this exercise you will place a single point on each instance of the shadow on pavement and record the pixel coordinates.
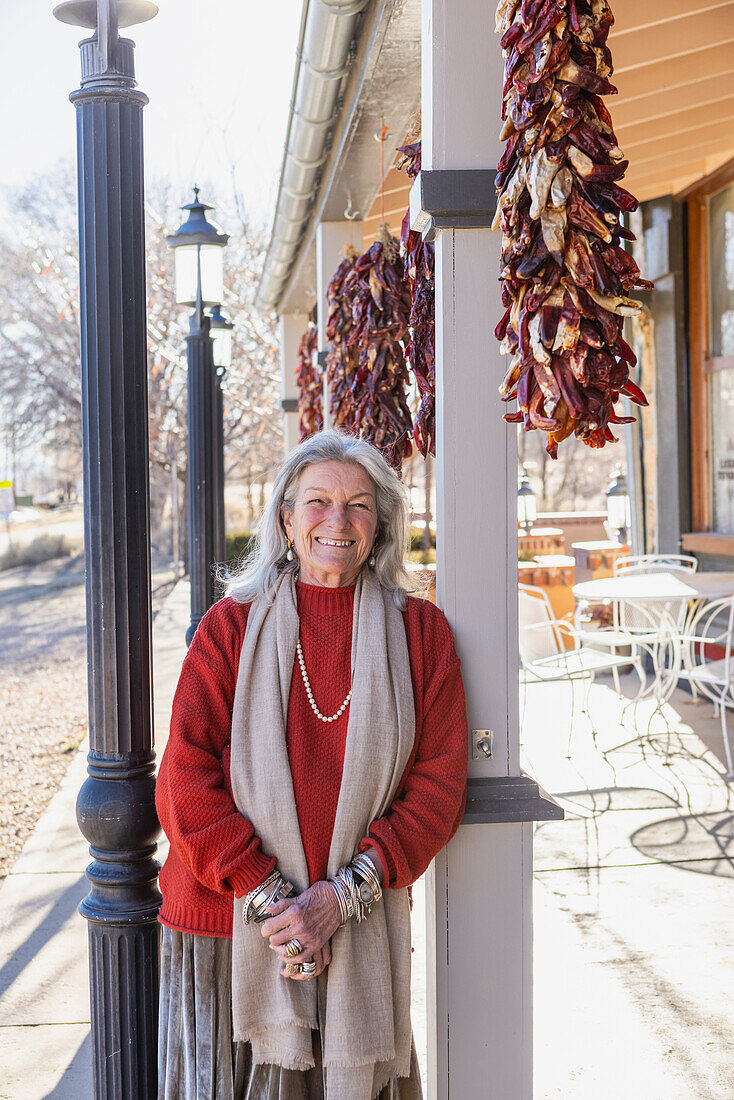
(604, 799)
(77, 1075)
(63, 908)
(703, 843)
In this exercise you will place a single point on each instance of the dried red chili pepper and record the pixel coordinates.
(308, 378)
(419, 259)
(378, 291)
(565, 277)
(342, 357)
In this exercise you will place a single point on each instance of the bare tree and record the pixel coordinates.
(576, 480)
(40, 393)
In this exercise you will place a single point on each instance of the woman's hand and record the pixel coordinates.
(312, 918)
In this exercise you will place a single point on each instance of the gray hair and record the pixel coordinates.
(266, 560)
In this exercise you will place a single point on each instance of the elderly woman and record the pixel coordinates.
(315, 766)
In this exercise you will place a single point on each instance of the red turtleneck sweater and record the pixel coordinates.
(215, 854)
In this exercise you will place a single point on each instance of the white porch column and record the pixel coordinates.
(479, 913)
(331, 239)
(291, 328)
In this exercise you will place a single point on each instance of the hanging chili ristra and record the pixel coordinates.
(310, 387)
(342, 358)
(378, 291)
(565, 277)
(419, 258)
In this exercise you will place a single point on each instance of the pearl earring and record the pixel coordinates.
(371, 559)
(289, 555)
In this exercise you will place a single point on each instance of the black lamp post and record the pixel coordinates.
(198, 247)
(221, 332)
(115, 807)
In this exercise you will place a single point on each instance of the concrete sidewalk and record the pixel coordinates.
(633, 902)
(45, 1048)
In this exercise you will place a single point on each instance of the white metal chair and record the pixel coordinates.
(637, 618)
(629, 564)
(708, 662)
(651, 635)
(545, 656)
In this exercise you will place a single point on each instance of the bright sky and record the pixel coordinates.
(218, 74)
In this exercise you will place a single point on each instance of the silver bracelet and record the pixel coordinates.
(343, 895)
(256, 904)
(357, 888)
(369, 889)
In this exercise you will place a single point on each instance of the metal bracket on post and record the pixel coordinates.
(289, 404)
(503, 798)
(452, 198)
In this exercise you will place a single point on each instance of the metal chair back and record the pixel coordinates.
(539, 634)
(629, 564)
(710, 647)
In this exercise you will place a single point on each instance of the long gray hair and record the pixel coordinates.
(266, 561)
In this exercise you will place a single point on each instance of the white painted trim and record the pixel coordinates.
(291, 327)
(479, 908)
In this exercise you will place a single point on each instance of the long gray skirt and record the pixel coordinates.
(197, 1058)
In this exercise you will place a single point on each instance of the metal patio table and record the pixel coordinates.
(675, 599)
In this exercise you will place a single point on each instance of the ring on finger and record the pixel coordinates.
(293, 947)
(308, 969)
(294, 968)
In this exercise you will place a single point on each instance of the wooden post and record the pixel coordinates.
(479, 939)
(292, 327)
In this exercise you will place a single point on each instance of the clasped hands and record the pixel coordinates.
(312, 918)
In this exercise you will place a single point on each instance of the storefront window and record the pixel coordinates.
(721, 237)
(721, 348)
(721, 389)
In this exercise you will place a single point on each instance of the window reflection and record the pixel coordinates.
(721, 382)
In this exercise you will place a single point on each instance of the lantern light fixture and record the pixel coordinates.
(198, 246)
(526, 506)
(618, 504)
(220, 330)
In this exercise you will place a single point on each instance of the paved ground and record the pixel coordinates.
(634, 905)
(43, 688)
(43, 692)
(44, 1002)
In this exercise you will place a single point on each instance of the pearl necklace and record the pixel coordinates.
(309, 692)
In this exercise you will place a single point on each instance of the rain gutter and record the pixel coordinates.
(325, 51)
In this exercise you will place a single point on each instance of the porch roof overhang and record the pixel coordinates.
(674, 67)
(674, 118)
(382, 86)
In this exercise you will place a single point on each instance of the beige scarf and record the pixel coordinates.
(365, 1029)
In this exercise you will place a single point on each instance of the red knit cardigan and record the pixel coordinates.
(215, 853)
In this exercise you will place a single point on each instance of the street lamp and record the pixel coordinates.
(221, 333)
(526, 509)
(618, 504)
(198, 247)
(115, 807)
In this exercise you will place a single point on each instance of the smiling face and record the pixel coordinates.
(333, 522)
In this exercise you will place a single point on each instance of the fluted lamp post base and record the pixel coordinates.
(115, 806)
